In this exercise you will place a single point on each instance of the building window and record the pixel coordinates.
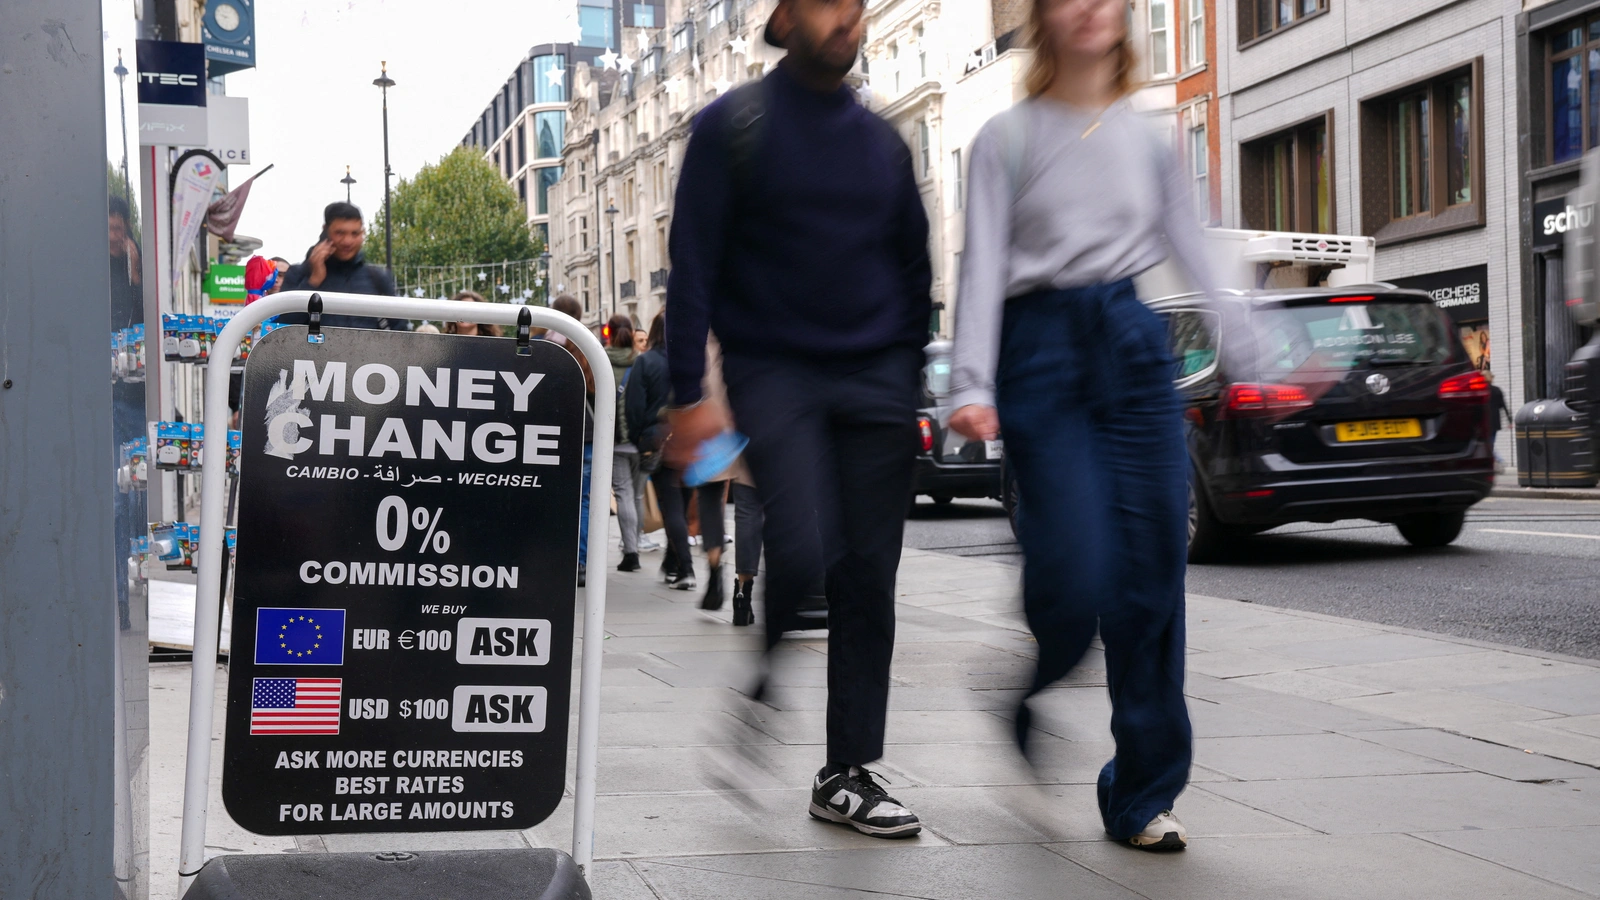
(1259, 18)
(1195, 38)
(1160, 37)
(661, 183)
(583, 232)
(958, 180)
(1200, 170)
(595, 24)
(547, 129)
(585, 283)
(549, 88)
(680, 39)
(716, 13)
(546, 179)
(522, 147)
(627, 198)
(1422, 152)
(1574, 80)
(663, 257)
(522, 190)
(644, 15)
(894, 54)
(1286, 177)
(922, 52)
(924, 151)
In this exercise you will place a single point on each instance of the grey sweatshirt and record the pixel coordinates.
(1048, 207)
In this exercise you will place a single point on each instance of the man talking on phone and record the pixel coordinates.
(336, 264)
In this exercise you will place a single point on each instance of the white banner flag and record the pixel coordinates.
(191, 193)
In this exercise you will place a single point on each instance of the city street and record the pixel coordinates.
(1523, 572)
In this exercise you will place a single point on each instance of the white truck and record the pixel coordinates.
(1242, 259)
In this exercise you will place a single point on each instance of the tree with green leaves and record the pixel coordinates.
(117, 187)
(456, 212)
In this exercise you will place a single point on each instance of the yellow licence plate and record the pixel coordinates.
(1378, 430)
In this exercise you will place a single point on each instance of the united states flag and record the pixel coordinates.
(295, 705)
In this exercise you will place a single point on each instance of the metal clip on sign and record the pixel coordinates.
(524, 331)
(314, 333)
(213, 501)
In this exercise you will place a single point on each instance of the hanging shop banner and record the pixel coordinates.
(1463, 293)
(405, 583)
(172, 94)
(194, 181)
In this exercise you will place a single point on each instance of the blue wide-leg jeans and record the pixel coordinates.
(1092, 426)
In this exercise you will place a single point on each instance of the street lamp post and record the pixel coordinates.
(544, 263)
(121, 71)
(347, 181)
(384, 82)
(611, 219)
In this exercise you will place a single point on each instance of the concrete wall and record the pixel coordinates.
(57, 601)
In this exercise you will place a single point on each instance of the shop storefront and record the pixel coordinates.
(1464, 295)
(1559, 115)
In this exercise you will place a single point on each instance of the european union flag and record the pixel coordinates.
(299, 637)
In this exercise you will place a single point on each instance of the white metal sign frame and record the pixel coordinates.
(213, 495)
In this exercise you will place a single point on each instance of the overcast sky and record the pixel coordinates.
(313, 108)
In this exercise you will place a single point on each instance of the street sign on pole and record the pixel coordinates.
(403, 609)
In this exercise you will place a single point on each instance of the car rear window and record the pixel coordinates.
(936, 375)
(1338, 336)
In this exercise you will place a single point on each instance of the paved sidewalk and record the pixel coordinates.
(1334, 759)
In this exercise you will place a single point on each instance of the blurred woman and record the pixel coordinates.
(1071, 195)
(471, 327)
(649, 391)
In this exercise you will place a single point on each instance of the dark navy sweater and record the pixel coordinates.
(828, 254)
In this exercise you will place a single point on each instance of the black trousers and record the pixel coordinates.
(831, 448)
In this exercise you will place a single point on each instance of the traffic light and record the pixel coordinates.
(605, 334)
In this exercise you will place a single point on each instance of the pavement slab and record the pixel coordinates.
(1021, 872)
(1564, 855)
(1334, 758)
(1311, 867)
(1409, 803)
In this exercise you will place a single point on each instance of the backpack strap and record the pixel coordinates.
(746, 124)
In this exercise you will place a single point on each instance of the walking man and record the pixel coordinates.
(801, 241)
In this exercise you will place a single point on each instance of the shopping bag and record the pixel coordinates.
(652, 510)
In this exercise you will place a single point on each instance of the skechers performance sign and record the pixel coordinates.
(403, 602)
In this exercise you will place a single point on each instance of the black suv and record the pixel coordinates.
(949, 465)
(1322, 404)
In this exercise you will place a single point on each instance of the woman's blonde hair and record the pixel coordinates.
(1042, 68)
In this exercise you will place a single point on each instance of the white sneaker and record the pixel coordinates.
(646, 545)
(1164, 832)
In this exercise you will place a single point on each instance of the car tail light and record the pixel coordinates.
(1467, 386)
(1246, 400)
(1364, 298)
(926, 427)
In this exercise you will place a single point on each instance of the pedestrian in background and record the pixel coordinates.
(1071, 195)
(471, 328)
(1498, 412)
(647, 403)
(627, 477)
(712, 497)
(336, 263)
(568, 305)
(799, 237)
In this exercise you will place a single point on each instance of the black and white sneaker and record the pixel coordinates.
(848, 795)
